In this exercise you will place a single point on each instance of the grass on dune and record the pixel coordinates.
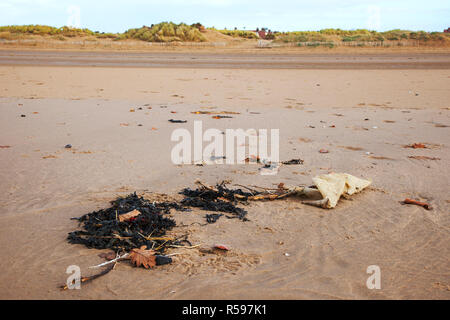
(172, 32)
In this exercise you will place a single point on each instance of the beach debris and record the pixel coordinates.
(68, 146)
(90, 278)
(218, 198)
(334, 185)
(293, 161)
(130, 216)
(162, 260)
(221, 117)
(380, 157)
(215, 158)
(5, 147)
(103, 229)
(212, 218)
(423, 158)
(352, 148)
(215, 112)
(416, 146)
(177, 121)
(440, 125)
(124, 124)
(253, 159)
(331, 187)
(417, 203)
(136, 229)
(23, 116)
(221, 247)
(132, 110)
(143, 257)
(324, 151)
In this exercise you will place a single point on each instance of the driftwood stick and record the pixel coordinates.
(95, 276)
(122, 257)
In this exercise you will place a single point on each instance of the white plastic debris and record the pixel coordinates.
(332, 186)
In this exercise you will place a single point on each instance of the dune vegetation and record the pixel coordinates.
(238, 33)
(161, 32)
(360, 35)
(165, 32)
(172, 32)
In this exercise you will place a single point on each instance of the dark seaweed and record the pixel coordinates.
(293, 161)
(212, 218)
(102, 229)
(220, 199)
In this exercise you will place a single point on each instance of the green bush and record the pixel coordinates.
(239, 34)
(165, 32)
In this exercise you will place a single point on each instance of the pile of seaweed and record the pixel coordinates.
(104, 229)
(220, 198)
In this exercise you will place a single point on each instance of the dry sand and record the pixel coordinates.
(43, 185)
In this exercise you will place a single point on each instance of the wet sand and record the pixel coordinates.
(43, 184)
(210, 59)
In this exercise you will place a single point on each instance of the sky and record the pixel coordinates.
(279, 15)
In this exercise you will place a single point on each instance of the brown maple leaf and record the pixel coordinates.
(143, 257)
(127, 216)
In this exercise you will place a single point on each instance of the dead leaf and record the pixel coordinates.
(143, 257)
(124, 124)
(5, 147)
(129, 215)
(323, 151)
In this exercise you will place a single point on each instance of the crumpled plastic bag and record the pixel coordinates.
(332, 186)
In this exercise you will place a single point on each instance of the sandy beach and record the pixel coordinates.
(363, 109)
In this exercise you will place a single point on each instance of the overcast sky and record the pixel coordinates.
(280, 15)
